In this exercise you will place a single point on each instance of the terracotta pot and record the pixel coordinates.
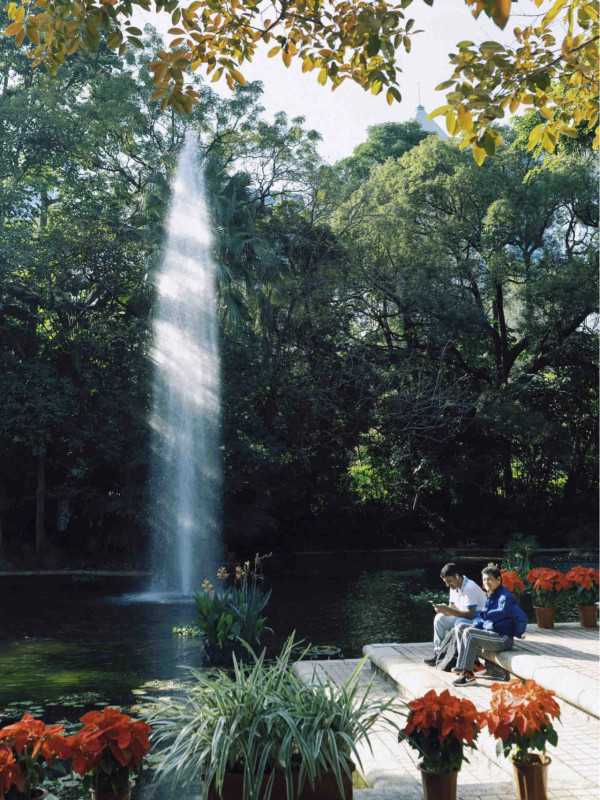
(124, 794)
(544, 616)
(439, 785)
(532, 779)
(326, 788)
(588, 616)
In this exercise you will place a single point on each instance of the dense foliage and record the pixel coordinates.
(552, 64)
(408, 340)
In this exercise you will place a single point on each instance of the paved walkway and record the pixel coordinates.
(391, 771)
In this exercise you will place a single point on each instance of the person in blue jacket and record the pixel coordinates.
(494, 628)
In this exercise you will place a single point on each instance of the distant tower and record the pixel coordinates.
(428, 124)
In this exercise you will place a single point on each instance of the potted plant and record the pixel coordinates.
(512, 581)
(260, 732)
(439, 727)
(584, 581)
(545, 584)
(227, 615)
(107, 751)
(27, 749)
(520, 717)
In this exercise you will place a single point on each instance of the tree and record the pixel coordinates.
(476, 286)
(357, 41)
(557, 76)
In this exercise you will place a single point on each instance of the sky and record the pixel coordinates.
(342, 117)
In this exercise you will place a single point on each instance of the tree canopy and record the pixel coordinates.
(342, 40)
(408, 343)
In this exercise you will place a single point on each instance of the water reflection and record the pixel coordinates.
(103, 635)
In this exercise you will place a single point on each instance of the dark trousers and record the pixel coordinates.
(469, 639)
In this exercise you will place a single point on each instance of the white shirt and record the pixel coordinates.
(470, 595)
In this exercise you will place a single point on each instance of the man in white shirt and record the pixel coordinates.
(465, 599)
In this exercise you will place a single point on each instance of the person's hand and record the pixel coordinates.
(441, 608)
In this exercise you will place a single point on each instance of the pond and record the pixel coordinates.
(75, 643)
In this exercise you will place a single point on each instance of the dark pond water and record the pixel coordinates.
(72, 642)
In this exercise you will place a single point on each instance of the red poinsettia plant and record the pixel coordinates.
(439, 727)
(27, 748)
(513, 582)
(520, 717)
(584, 581)
(108, 748)
(545, 584)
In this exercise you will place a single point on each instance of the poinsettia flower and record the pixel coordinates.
(110, 731)
(10, 772)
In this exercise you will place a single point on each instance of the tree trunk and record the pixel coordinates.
(40, 496)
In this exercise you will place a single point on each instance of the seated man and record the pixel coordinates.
(494, 629)
(465, 599)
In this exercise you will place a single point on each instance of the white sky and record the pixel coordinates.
(342, 117)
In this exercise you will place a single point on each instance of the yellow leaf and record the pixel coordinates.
(322, 76)
(535, 136)
(237, 76)
(567, 131)
(286, 58)
(13, 28)
(514, 104)
(546, 112)
(33, 34)
(548, 141)
(478, 154)
(273, 51)
(19, 37)
(20, 15)
(465, 121)
(438, 111)
(158, 94)
(500, 13)
(73, 47)
(451, 122)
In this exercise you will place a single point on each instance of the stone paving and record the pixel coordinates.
(390, 770)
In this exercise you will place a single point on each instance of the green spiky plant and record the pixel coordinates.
(263, 721)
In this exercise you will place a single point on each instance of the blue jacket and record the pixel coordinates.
(498, 613)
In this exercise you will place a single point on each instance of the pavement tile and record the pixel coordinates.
(391, 770)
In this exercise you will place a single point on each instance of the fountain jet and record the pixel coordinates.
(186, 470)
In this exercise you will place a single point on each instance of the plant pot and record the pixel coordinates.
(532, 779)
(544, 616)
(326, 788)
(588, 616)
(439, 785)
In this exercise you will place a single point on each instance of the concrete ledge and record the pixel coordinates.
(578, 690)
(570, 686)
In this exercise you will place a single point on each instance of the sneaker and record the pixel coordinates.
(478, 667)
(430, 661)
(465, 679)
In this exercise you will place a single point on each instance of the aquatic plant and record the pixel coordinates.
(226, 616)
